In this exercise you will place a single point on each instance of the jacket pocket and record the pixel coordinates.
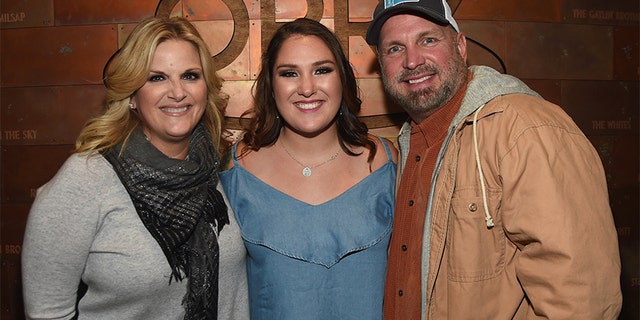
(475, 251)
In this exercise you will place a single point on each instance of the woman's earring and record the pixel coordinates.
(131, 106)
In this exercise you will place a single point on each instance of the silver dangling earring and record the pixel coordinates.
(131, 106)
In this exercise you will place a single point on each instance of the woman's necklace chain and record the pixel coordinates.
(306, 170)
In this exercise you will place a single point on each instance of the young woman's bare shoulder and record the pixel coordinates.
(381, 155)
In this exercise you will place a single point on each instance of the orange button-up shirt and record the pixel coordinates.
(402, 298)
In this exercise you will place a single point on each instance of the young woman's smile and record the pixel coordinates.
(307, 86)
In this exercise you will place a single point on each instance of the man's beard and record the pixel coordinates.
(427, 100)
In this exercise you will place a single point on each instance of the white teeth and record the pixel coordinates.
(419, 80)
(308, 106)
(175, 110)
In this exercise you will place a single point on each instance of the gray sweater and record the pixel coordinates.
(83, 226)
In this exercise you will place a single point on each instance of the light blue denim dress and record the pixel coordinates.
(308, 262)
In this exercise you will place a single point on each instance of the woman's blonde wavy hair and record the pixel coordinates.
(130, 70)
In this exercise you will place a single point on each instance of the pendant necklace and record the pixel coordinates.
(306, 170)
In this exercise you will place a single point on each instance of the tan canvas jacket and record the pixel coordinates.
(552, 252)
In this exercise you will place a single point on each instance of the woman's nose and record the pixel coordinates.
(177, 91)
(307, 86)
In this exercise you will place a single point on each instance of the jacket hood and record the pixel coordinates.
(485, 85)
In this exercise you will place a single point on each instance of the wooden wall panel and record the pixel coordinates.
(602, 107)
(374, 100)
(548, 89)
(240, 98)
(55, 56)
(123, 32)
(361, 10)
(11, 230)
(287, 10)
(612, 12)
(625, 208)
(621, 157)
(363, 58)
(255, 48)
(521, 10)
(548, 51)
(329, 8)
(11, 234)
(619, 154)
(10, 276)
(626, 54)
(208, 10)
(28, 113)
(25, 14)
(26, 168)
(217, 9)
(486, 42)
(216, 33)
(74, 12)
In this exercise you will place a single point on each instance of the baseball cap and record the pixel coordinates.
(437, 11)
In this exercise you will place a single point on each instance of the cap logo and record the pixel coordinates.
(391, 3)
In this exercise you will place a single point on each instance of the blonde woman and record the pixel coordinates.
(135, 215)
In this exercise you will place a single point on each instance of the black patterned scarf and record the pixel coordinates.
(179, 204)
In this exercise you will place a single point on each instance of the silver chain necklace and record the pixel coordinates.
(306, 170)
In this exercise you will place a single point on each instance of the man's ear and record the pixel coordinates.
(461, 42)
